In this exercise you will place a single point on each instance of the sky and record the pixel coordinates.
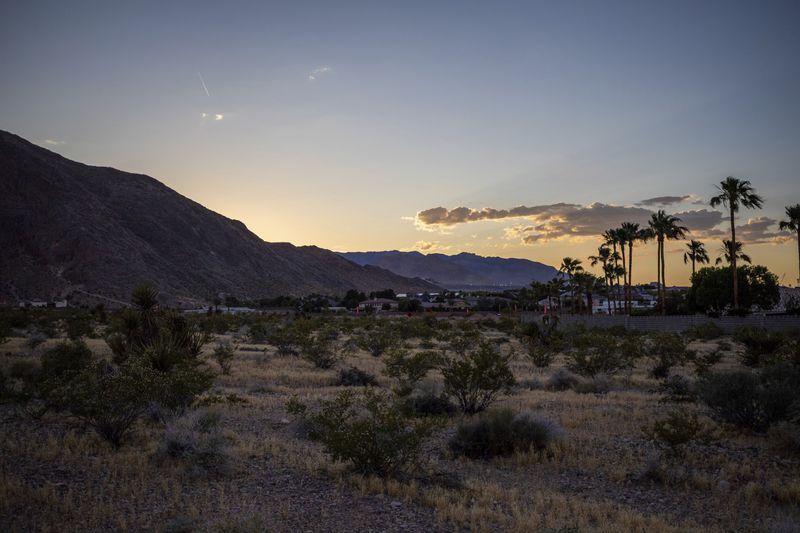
(512, 129)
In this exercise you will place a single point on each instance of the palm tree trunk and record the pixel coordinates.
(624, 279)
(733, 263)
(663, 283)
(798, 256)
(692, 265)
(658, 271)
(630, 277)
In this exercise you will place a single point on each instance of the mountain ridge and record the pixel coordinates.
(459, 271)
(66, 225)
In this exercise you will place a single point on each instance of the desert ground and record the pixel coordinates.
(604, 473)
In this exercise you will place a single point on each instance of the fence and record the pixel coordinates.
(728, 324)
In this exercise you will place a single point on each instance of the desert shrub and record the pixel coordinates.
(196, 440)
(258, 332)
(500, 432)
(599, 384)
(288, 339)
(706, 331)
(409, 369)
(223, 354)
(475, 378)
(35, 339)
(786, 436)
(355, 377)
(562, 379)
(533, 383)
(675, 432)
(541, 343)
(430, 404)
(703, 362)
(109, 399)
(378, 339)
(78, 326)
(679, 389)
(320, 350)
(667, 350)
(368, 430)
(752, 401)
(760, 345)
(598, 353)
(460, 338)
(789, 351)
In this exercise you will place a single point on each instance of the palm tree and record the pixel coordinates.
(570, 266)
(607, 259)
(696, 253)
(664, 227)
(588, 284)
(733, 193)
(730, 252)
(630, 233)
(793, 224)
(613, 237)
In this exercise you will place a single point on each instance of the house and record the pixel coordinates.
(377, 304)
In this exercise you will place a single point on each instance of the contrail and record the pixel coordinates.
(204, 84)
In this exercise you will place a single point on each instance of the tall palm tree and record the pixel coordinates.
(612, 237)
(664, 227)
(696, 253)
(793, 224)
(606, 259)
(588, 284)
(630, 232)
(730, 252)
(734, 192)
(570, 266)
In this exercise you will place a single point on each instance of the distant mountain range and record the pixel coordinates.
(462, 271)
(66, 227)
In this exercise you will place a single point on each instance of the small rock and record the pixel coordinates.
(396, 504)
(724, 485)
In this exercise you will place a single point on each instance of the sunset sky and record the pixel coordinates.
(516, 129)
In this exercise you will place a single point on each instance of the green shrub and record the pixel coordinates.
(475, 378)
(752, 401)
(288, 339)
(78, 326)
(679, 389)
(676, 431)
(368, 430)
(378, 339)
(223, 354)
(599, 353)
(706, 331)
(786, 436)
(108, 399)
(703, 362)
(667, 350)
(760, 345)
(410, 369)
(321, 350)
(430, 404)
(355, 377)
(501, 432)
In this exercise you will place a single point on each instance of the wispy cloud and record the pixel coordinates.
(51, 142)
(663, 201)
(215, 117)
(319, 72)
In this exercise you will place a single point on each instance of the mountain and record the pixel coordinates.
(66, 226)
(462, 271)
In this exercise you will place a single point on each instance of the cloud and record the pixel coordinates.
(760, 230)
(544, 223)
(701, 221)
(319, 72)
(216, 117)
(664, 200)
(547, 222)
(51, 142)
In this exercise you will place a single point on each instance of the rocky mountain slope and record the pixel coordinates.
(65, 225)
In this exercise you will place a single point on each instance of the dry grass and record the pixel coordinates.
(54, 473)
